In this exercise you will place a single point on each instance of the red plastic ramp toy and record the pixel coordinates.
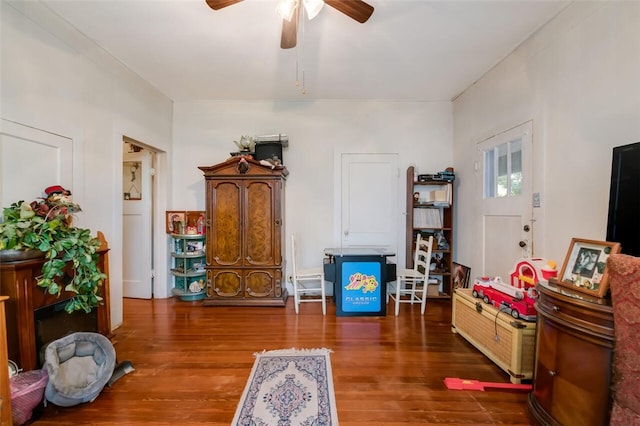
(465, 384)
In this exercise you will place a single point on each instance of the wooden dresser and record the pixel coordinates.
(18, 281)
(245, 233)
(574, 353)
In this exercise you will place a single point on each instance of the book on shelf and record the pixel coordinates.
(440, 197)
(427, 218)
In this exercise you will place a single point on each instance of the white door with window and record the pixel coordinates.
(368, 200)
(507, 209)
(137, 262)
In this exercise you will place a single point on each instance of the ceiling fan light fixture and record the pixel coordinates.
(312, 7)
(286, 8)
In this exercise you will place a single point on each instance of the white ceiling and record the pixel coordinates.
(408, 50)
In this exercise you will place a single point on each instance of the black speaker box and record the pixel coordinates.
(268, 150)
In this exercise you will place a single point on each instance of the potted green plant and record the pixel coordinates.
(44, 226)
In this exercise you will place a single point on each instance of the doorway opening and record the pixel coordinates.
(138, 172)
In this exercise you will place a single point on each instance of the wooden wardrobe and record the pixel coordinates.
(245, 233)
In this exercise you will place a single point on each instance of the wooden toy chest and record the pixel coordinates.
(479, 323)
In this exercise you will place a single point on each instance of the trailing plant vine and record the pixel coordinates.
(70, 252)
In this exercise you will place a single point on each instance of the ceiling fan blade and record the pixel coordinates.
(356, 9)
(219, 4)
(289, 37)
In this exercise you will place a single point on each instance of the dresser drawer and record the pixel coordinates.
(573, 311)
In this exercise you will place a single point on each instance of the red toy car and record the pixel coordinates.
(518, 302)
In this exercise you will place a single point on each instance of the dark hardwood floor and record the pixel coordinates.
(192, 363)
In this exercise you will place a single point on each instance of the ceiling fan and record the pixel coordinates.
(290, 12)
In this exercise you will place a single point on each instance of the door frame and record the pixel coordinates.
(524, 131)
(144, 209)
(159, 245)
(337, 200)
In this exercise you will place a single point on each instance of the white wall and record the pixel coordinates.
(578, 79)
(54, 79)
(420, 132)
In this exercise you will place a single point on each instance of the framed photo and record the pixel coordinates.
(176, 220)
(132, 180)
(461, 276)
(585, 266)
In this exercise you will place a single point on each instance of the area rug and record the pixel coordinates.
(289, 387)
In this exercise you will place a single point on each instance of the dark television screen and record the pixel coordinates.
(623, 224)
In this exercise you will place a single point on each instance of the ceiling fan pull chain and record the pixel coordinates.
(297, 71)
(304, 89)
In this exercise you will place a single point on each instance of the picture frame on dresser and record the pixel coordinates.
(461, 275)
(173, 219)
(585, 266)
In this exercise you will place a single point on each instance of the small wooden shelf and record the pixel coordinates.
(431, 215)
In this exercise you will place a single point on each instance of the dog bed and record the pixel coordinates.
(79, 366)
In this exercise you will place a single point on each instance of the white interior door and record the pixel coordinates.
(507, 208)
(369, 208)
(31, 160)
(137, 263)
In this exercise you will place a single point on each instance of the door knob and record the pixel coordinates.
(526, 228)
(522, 243)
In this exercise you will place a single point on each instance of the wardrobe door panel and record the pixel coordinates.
(259, 223)
(227, 223)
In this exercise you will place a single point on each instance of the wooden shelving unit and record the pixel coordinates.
(430, 212)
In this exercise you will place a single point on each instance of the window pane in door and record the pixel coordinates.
(489, 174)
(502, 181)
(503, 170)
(515, 148)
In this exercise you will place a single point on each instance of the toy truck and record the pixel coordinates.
(518, 302)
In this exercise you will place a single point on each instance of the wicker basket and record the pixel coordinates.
(508, 342)
(27, 391)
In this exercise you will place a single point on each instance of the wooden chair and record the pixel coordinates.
(308, 284)
(411, 284)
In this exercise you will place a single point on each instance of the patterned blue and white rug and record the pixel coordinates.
(289, 387)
